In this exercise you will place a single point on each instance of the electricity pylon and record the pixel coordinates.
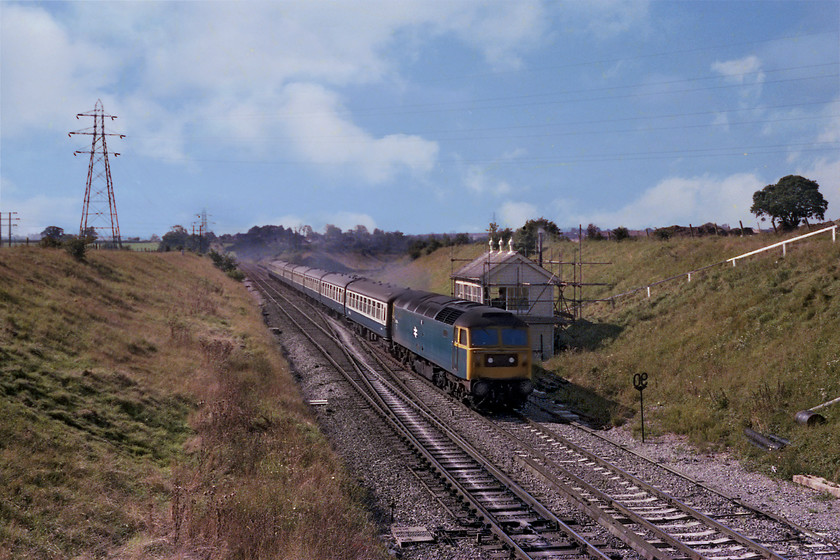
(99, 192)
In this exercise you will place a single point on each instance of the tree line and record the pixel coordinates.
(787, 203)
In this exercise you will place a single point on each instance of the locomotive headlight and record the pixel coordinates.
(489, 360)
(511, 360)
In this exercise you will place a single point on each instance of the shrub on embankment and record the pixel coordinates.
(145, 412)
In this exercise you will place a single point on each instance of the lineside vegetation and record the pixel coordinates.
(737, 347)
(145, 412)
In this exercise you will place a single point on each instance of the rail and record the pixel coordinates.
(733, 260)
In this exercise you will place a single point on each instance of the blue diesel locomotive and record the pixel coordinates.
(478, 353)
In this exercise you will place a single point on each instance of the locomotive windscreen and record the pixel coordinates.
(514, 337)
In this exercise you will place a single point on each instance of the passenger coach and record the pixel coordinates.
(368, 304)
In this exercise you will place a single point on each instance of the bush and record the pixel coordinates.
(227, 263)
(76, 247)
(621, 233)
(49, 243)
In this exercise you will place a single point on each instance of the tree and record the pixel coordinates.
(176, 238)
(791, 200)
(52, 237)
(526, 237)
(594, 232)
(53, 232)
(620, 233)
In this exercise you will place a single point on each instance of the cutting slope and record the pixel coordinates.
(735, 347)
(145, 412)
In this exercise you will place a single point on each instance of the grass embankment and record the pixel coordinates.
(145, 412)
(736, 347)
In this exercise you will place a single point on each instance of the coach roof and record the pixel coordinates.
(376, 290)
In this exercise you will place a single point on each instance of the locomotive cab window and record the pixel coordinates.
(484, 337)
(514, 337)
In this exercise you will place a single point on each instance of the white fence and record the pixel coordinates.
(733, 260)
(784, 244)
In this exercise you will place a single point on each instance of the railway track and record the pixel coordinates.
(653, 522)
(526, 527)
(788, 539)
(662, 520)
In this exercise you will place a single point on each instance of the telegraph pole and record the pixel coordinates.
(9, 219)
(99, 191)
(202, 229)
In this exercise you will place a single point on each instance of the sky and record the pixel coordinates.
(422, 116)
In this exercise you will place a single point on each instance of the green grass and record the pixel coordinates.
(141, 246)
(145, 412)
(738, 347)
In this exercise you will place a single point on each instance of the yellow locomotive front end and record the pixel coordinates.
(498, 359)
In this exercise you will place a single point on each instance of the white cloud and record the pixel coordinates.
(606, 18)
(478, 181)
(831, 133)
(739, 69)
(745, 71)
(515, 214)
(323, 134)
(38, 212)
(684, 201)
(499, 29)
(197, 60)
(47, 78)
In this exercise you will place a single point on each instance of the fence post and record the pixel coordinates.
(648, 290)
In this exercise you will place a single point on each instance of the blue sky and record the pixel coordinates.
(419, 116)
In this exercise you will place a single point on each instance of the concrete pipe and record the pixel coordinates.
(809, 418)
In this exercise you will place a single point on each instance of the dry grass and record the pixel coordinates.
(145, 413)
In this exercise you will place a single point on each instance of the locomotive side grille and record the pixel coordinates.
(448, 315)
(501, 360)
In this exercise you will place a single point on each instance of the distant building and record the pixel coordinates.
(508, 280)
